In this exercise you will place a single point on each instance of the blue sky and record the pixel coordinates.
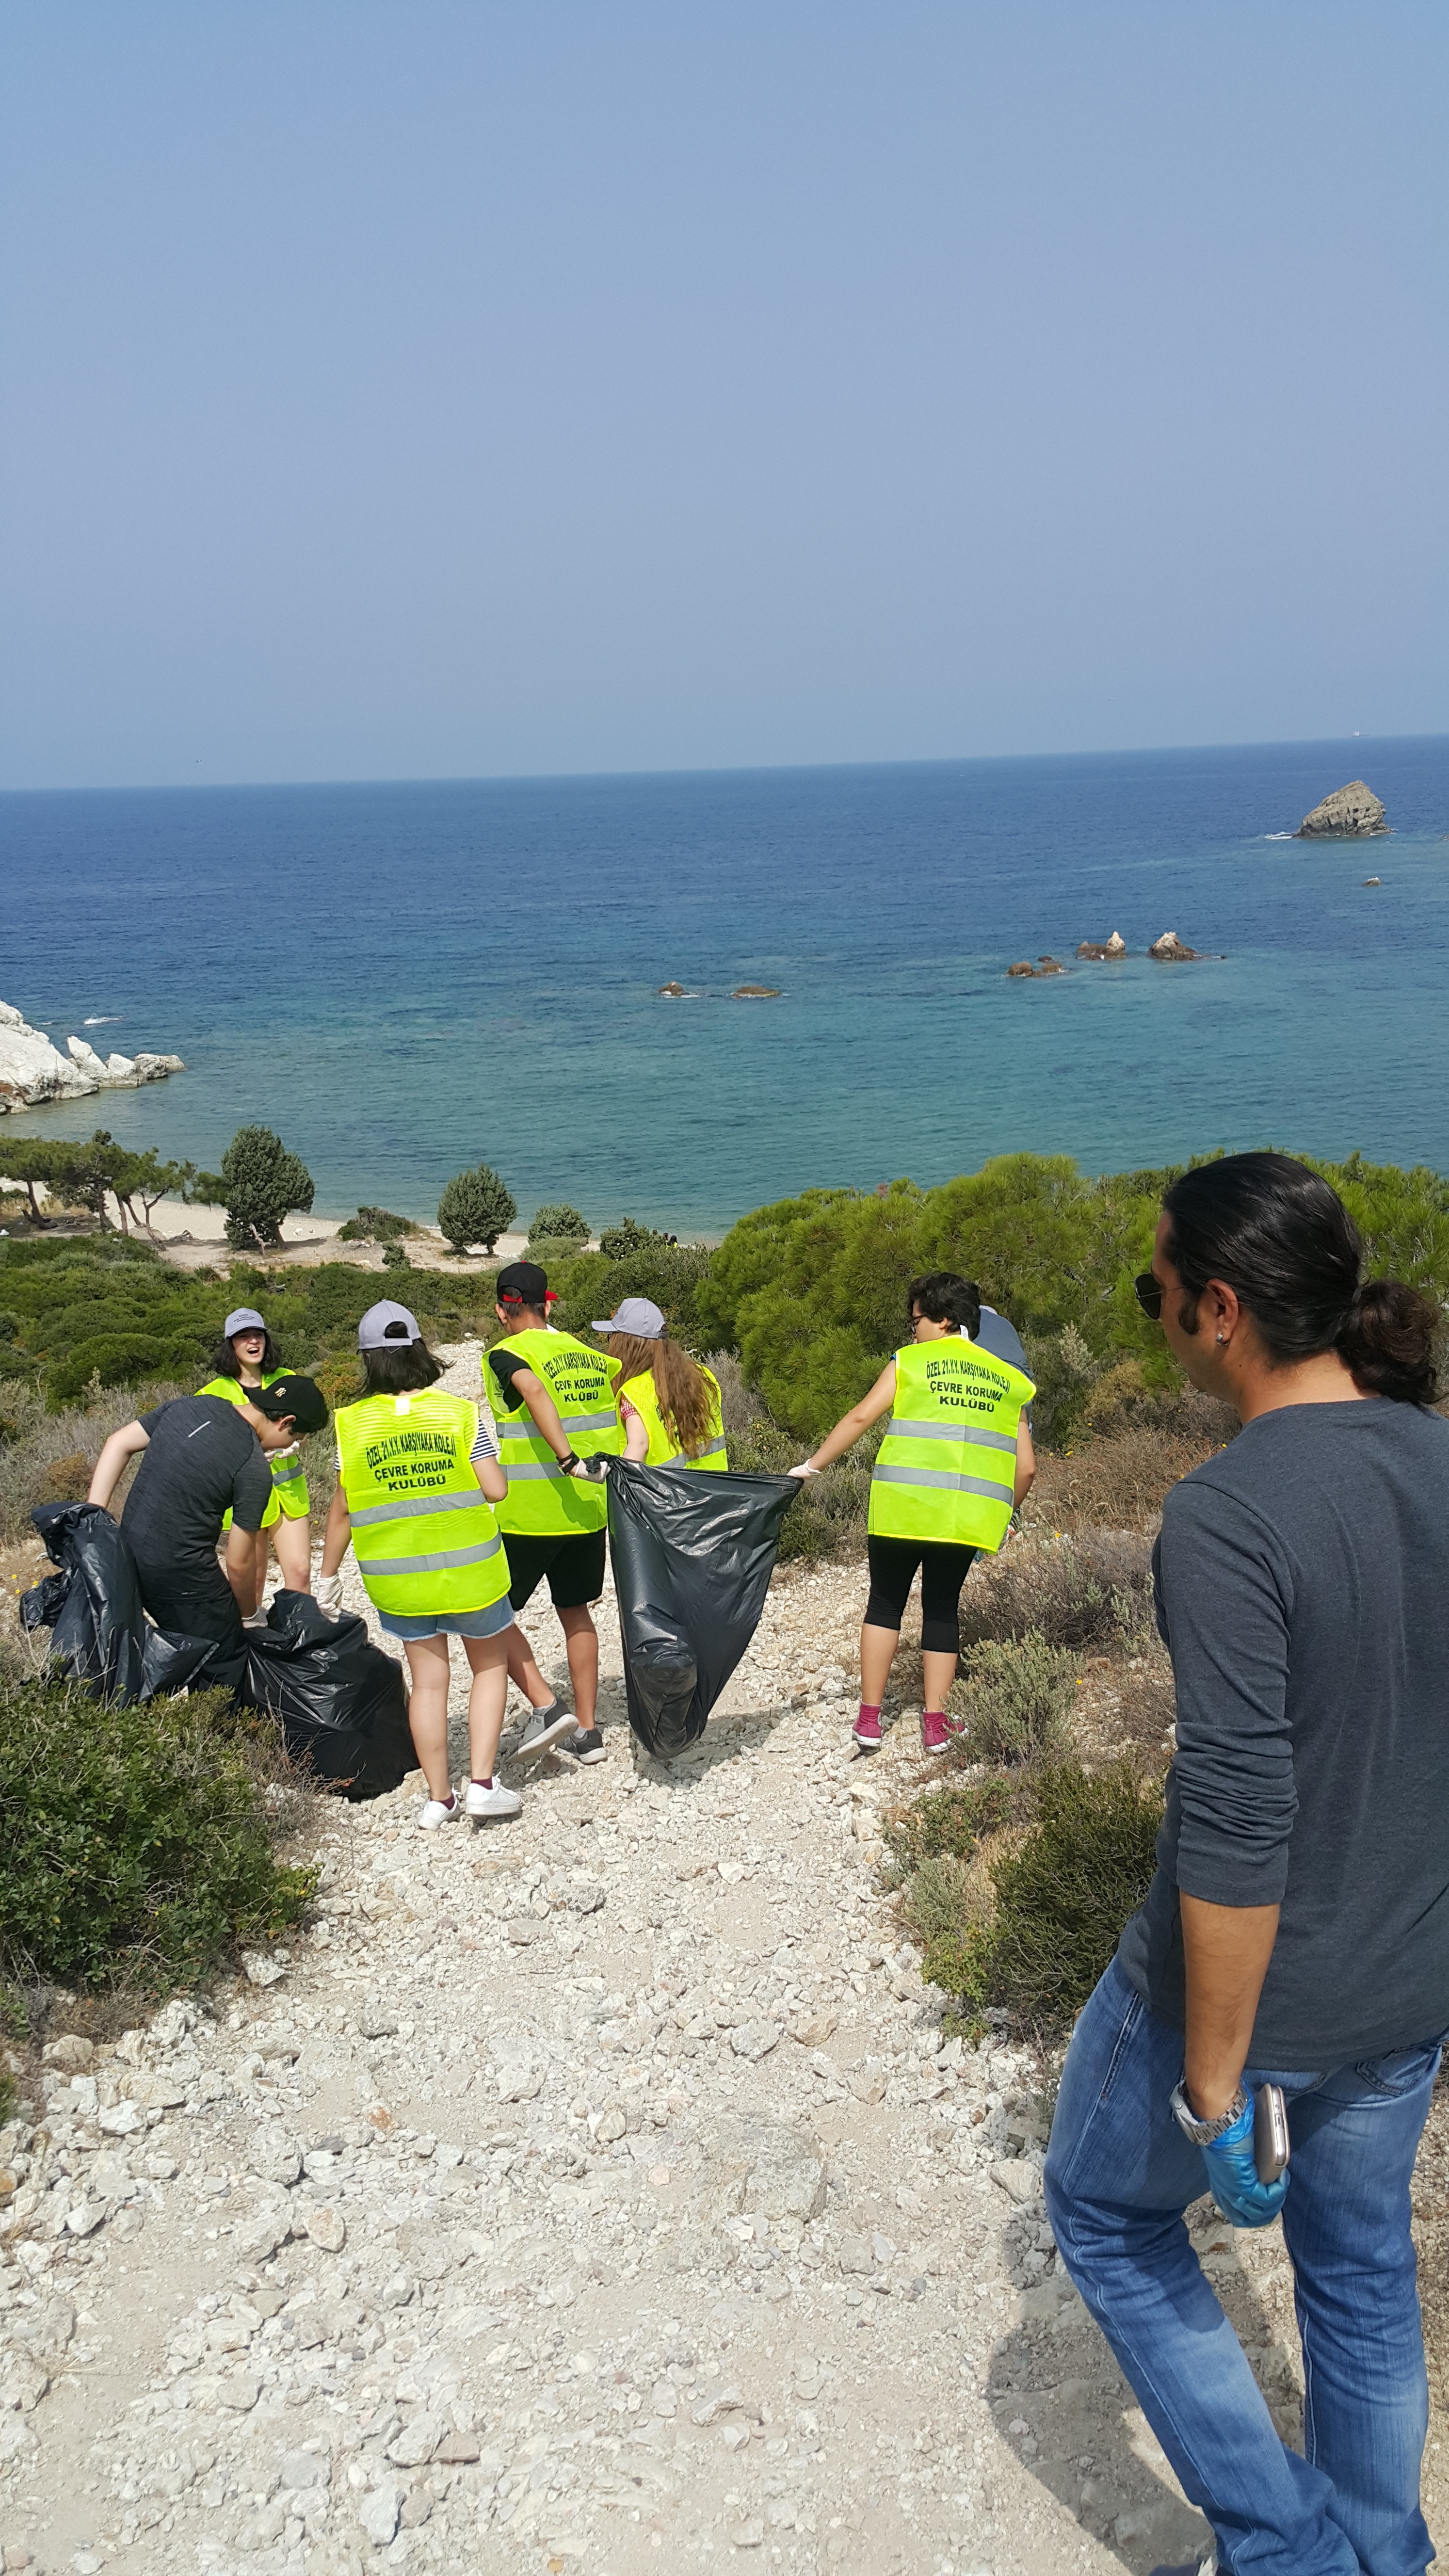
(456, 389)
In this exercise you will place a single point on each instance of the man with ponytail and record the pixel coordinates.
(1296, 1933)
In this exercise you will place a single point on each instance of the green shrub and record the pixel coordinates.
(950, 1820)
(376, 1225)
(1093, 1589)
(618, 1242)
(1061, 1900)
(1013, 1699)
(591, 1283)
(557, 1223)
(135, 1843)
(395, 1257)
(476, 1207)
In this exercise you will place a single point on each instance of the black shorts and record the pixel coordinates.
(893, 1563)
(192, 1609)
(573, 1560)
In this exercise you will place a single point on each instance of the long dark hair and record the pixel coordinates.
(944, 1297)
(400, 1371)
(1277, 1235)
(226, 1364)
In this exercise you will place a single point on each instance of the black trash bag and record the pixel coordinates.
(340, 1699)
(693, 1555)
(100, 1634)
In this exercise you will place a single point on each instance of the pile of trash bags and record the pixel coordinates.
(693, 1556)
(338, 1698)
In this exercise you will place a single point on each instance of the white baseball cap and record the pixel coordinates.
(638, 1316)
(388, 1327)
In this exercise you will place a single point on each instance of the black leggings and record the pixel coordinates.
(893, 1563)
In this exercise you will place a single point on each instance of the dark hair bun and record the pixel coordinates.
(1390, 1342)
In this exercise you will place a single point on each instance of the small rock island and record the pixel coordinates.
(1172, 949)
(755, 993)
(1109, 949)
(1043, 966)
(1351, 813)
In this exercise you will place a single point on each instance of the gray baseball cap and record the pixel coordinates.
(388, 1327)
(638, 1316)
(242, 1319)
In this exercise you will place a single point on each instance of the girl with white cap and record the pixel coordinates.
(246, 1358)
(418, 1476)
(669, 1403)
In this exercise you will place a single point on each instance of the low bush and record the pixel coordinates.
(556, 1223)
(1013, 1699)
(1092, 1589)
(135, 1843)
(45, 1451)
(1121, 1481)
(376, 1225)
(1061, 1897)
(951, 1820)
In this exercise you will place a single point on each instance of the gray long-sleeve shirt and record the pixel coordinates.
(1303, 1592)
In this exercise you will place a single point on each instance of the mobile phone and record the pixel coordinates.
(1270, 2132)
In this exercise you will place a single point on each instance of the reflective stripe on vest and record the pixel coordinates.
(411, 1488)
(664, 1450)
(542, 1501)
(941, 1474)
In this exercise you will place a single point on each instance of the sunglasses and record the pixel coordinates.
(1149, 1295)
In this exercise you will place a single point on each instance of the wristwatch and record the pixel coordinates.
(1205, 2133)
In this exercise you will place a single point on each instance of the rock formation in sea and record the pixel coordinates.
(671, 993)
(1351, 813)
(1043, 966)
(1173, 949)
(33, 1071)
(1112, 948)
(755, 993)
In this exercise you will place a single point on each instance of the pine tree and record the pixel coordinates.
(476, 1207)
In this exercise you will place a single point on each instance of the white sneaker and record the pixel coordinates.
(496, 1802)
(437, 1811)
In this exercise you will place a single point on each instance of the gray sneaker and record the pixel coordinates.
(543, 1727)
(585, 1744)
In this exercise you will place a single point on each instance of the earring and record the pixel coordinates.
(1222, 1337)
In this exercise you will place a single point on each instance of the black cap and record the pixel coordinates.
(301, 1397)
(524, 1284)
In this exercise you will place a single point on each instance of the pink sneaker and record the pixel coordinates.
(867, 1730)
(935, 1733)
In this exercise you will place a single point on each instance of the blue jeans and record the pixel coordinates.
(1119, 2175)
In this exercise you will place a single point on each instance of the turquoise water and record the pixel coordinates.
(403, 979)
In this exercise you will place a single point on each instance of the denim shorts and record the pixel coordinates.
(457, 1623)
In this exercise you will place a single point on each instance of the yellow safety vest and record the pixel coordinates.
(947, 1464)
(542, 1501)
(644, 1396)
(289, 1485)
(424, 1534)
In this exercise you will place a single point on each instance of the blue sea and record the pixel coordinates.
(403, 979)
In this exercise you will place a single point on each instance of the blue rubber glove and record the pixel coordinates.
(1233, 2177)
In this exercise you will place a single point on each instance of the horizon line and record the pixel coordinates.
(732, 769)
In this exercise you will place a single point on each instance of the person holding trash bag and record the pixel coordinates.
(1288, 1970)
(418, 1479)
(669, 1404)
(557, 1422)
(248, 1357)
(956, 1460)
(203, 1464)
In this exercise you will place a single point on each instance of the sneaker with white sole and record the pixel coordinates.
(439, 1811)
(585, 1744)
(491, 1805)
(867, 1731)
(543, 1728)
(935, 1731)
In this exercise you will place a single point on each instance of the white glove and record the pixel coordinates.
(803, 1470)
(589, 1471)
(327, 1593)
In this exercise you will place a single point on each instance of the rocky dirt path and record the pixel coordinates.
(593, 2191)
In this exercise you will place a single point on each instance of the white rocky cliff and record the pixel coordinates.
(33, 1071)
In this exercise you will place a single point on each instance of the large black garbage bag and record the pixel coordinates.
(100, 1634)
(693, 1555)
(340, 1699)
